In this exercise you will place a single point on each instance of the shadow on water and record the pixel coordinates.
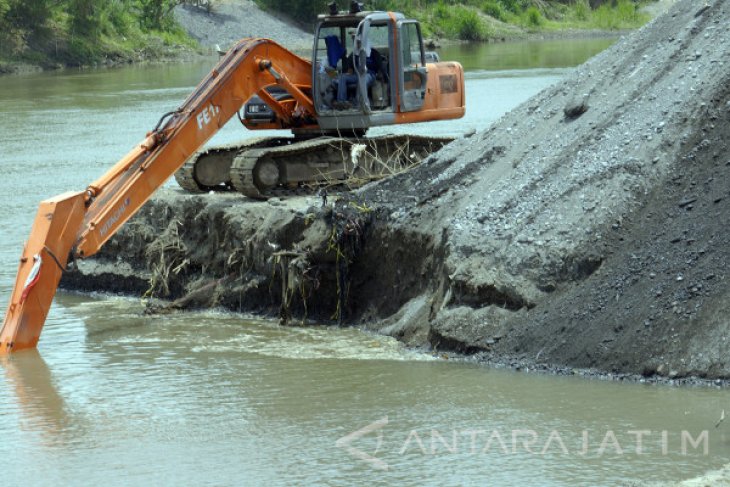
(42, 408)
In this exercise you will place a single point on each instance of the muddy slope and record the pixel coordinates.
(586, 228)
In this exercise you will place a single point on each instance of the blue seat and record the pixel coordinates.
(335, 51)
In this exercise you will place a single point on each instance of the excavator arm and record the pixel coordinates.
(76, 225)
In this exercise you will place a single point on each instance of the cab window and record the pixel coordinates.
(411, 45)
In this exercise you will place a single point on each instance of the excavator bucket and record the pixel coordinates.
(41, 265)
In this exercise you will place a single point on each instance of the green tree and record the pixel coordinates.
(4, 9)
(86, 17)
(122, 16)
(157, 14)
(5, 47)
(29, 14)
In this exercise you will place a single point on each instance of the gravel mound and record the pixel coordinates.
(595, 213)
(233, 20)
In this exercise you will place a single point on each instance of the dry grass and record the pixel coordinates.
(166, 256)
(365, 162)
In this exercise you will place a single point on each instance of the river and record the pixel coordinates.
(116, 397)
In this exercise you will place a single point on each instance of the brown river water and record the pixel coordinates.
(115, 397)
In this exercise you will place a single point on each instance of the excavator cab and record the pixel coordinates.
(351, 51)
(369, 69)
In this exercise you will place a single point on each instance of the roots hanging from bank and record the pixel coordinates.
(166, 255)
(301, 273)
(295, 273)
(348, 223)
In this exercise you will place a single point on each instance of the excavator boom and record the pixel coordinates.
(78, 224)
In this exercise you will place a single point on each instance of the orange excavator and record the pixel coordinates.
(321, 98)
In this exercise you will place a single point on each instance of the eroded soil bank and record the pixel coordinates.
(586, 228)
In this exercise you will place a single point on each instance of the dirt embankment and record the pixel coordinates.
(586, 228)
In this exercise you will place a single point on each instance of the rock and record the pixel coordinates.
(431, 44)
(464, 329)
(687, 201)
(702, 10)
(576, 107)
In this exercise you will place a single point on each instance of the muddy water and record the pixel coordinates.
(113, 396)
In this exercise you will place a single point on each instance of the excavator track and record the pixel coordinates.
(260, 172)
(300, 167)
(242, 171)
(207, 170)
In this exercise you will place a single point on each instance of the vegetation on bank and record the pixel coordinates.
(50, 33)
(477, 20)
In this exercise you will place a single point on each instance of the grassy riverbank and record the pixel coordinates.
(46, 34)
(485, 19)
(479, 20)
